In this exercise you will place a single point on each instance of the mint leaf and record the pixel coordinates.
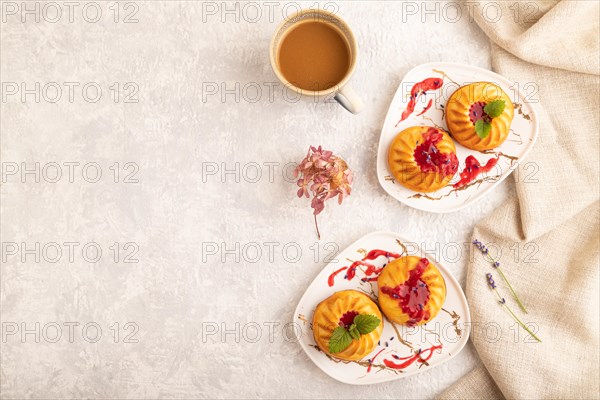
(482, 128)
(495, 108)
(339, 340)
(366, 323)
(353, 330)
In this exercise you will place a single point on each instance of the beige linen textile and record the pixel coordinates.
(548, 236)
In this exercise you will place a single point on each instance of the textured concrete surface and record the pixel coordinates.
(205, 249)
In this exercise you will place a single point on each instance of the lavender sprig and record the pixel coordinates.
(502, 301)
(484, 250)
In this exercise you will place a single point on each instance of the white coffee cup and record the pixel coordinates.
(342, 92)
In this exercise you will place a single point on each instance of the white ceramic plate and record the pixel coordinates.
(439, 340)
(523, 133)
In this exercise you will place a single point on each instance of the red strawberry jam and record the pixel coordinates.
(347, 319)
(413, 294)
(476, 112)
(430, 159)
(473, 169)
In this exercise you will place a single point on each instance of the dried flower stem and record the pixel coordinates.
(496, 264)
(317, 227)
(512, 290)
(503, 302)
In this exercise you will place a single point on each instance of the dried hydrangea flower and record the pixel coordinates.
(324, 176)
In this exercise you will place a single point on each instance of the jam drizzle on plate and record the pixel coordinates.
(331, 279)
(419, 356)
(419, 89)
(372, 272)
(473, 168)
(372, 360)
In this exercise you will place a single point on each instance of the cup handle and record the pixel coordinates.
(348, 99)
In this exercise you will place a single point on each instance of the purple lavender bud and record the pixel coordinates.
(502, 301)
(490, 280)
(496, 264)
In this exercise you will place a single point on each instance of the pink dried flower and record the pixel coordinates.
(325, 176)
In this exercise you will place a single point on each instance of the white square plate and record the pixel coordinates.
(522, 136)
(438, 341)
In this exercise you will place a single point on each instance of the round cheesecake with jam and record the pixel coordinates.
(479, 115)
(347, 325)
(411, 290)
(423, 158)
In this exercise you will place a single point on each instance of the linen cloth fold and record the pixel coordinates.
(547, 237)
